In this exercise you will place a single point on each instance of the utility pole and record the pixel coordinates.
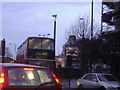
(55, 16)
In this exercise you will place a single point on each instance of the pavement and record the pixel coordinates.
(66, 83)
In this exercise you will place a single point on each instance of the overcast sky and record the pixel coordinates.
(23, 19)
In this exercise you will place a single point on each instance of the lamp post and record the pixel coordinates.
(55, 16)
(83, 27)
(92, 20)
(15, 49)
(91, 56)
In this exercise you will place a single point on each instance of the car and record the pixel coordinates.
(15, 76)
(99, 81)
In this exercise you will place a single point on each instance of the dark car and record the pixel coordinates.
(27, 77)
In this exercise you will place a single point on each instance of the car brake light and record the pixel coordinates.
(56, 79)
(2, 77)
(30, 69)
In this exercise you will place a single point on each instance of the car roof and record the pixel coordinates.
(100, 73)
(19, 65)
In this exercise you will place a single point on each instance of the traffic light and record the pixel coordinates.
(3, 47)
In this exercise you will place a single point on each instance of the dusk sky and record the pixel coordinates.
(23, 19)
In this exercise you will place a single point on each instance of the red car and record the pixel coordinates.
(27, 77)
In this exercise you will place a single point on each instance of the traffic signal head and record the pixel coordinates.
(3, 47)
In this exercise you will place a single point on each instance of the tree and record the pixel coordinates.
(8, 53)
(82, 28)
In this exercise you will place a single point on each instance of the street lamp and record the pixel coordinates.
(55, 16)
(83, 26)
(15, 49)
(44, 35)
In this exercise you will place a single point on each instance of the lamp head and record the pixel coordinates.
(54, 15)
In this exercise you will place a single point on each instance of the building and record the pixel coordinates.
(6, 60)
(111, 14)
(110, 45)
(60, 62)
(110, 50)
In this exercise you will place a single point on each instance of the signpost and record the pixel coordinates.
(69, 63)
(71, 52)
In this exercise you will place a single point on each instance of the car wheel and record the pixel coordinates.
(102, 88)
(81, 87)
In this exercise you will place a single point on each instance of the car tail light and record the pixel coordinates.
(2, 77)
(29, 69)
(56, 79)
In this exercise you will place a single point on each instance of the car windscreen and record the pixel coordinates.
(29, 77)
(106, 78)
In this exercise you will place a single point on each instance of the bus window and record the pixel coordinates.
(41, 43)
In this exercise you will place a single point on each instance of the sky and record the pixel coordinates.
(24, 19)
(0, 21)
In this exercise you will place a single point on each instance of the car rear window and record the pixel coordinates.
(29, 77)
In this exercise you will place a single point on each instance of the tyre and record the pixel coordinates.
(102, 88)
(81, 87)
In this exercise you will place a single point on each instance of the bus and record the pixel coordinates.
(37, 51)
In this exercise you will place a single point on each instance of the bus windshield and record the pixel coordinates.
(41, 43)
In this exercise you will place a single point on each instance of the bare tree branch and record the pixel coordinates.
(83, 24)
(8, 53)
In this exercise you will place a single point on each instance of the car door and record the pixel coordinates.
(85, 81)
(93, 81)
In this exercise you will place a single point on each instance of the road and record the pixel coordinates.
(69, 86)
